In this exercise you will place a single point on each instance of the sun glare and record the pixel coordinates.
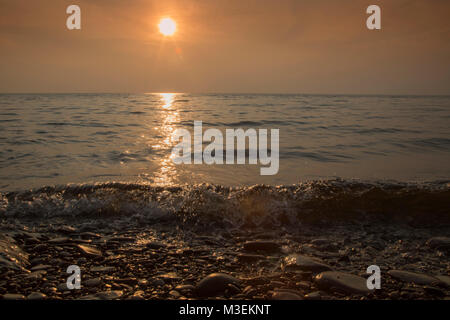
(167, 27)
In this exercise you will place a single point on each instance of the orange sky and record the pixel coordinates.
(275, 46)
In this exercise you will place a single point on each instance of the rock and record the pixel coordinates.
(155, 245)
(285, 295)
(300, 262)
(66, 229)
(94, 282)
(434, 291)
(344, 282)
(313, 296)
(412, 277)
(158, 282)
(444, 280)
(215, 284)
(170, 276)
(232, 289)
(138, 295)
(102, 269)
(184, 288)
(89, 235)
(13, 296)
(89, 251)
(175, 294)
(439, 243)
(36, 296)
(249, 258)
(62, 287)
(89, 297)
(36, 275)
(262, 246)
(110, 295)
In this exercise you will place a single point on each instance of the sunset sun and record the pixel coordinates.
(167, 26)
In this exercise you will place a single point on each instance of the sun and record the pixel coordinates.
(167, 27)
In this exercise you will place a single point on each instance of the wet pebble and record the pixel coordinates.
(215, 284)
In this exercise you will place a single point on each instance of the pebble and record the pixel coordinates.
(174, 293)
(445, 280)
(138, 295)
(183, 288)
(13, 296)
(89, 251)
(313, 295)
(285, 295)
(344, 282)
(109, 295)
(412, 277)
(36, 296)
(155, 245)
(300, 262)
(94, 282)
(215, 284)
(102, 269)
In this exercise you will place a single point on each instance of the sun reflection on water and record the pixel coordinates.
(167, 172)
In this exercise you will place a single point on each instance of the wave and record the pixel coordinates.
(264, 206)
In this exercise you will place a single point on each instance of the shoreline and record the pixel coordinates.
(124, 258)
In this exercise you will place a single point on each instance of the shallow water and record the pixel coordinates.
(51, 139)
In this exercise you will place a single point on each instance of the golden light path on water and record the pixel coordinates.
(167, 172)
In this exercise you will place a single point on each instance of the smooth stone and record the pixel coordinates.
(13, 296)
(62, 287)
(155, 245)
(170, 276)
(90, 297)
(313, 296)
(439, 243)
(215, 284)
(285, 295)
(445, 280)
(36, 275)
(259, 245)
(138, 295)
(92, 282)
(102, 269)
(158, 282)
(299, 262)
(174, 293)
(110, 295)
(66, 229)
(344, 282)
(89, 251)
(36, 296)
(412, 277)
(183, 288)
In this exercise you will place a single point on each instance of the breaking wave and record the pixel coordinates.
(256, 206)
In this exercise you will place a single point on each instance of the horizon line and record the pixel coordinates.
(236, 93)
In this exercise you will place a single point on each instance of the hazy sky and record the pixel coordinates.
(300, 46)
